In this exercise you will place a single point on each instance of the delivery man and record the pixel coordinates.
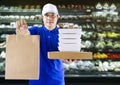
(51, 71)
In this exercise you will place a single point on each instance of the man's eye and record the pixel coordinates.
(46, 15)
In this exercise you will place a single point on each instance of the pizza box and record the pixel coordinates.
(69, 55)
(69, 40)
(69, 47)
(70, 36)
(72, 31)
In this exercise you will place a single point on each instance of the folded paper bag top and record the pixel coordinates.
(22, 57)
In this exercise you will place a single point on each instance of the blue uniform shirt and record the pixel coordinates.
(51, 71)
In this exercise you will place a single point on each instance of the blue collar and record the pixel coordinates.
(54, 30)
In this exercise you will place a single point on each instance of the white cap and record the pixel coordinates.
(49, 8)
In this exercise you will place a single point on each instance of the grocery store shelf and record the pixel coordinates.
(76, 20)
(19, 12)
(95, 74)
(99, 75)
(28, 21)
(74, 11)
(2, 76)
(2, 39)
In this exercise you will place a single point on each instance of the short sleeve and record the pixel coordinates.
(33, 30)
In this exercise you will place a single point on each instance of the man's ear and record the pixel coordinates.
(58, 16)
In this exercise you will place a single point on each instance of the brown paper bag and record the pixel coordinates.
(22, 57)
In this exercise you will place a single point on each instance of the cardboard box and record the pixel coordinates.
(69, 47)
(70, 40)
(77, 31)
(70, 36)
(70, 55)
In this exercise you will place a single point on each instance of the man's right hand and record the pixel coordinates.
(22, 28)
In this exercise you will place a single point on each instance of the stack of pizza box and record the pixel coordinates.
(70, 40)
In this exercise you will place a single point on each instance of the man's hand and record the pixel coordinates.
(22, 28)
(68, 61)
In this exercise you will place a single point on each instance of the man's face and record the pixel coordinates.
(50, 20)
